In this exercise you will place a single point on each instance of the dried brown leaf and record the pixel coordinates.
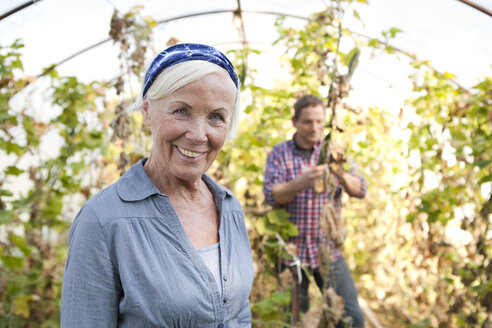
(291, 248)
(332, 225)
(319, 186)
(172, 41)
(119, 85)
(335, 302)
(312, 318)
(123, 162)
(121, 126)
(285, 278)
(116, 26)
(337, 151)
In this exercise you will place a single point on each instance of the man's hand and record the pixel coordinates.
(337, 169)
(310, 175)
(351, 183)
(286, 191)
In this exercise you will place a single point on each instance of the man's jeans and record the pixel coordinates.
(341, 281)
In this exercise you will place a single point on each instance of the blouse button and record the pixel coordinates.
(225, 300)
(225, 278)
(221, 325)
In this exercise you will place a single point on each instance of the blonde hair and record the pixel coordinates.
(181, 74)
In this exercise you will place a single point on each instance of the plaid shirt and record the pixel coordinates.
(286, 162)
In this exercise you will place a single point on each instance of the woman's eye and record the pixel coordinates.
(215, 116)
(180, 111)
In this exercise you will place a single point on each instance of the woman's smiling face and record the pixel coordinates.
(189, 127)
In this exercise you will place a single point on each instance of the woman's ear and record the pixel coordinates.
(146, 113)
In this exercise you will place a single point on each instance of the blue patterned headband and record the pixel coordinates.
(184, 52)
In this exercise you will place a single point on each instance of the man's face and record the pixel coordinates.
(309, 125)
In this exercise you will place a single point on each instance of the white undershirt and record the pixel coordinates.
(210, 256)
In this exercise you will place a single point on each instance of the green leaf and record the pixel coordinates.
(11, 147)
(77, 166)
(389, 49)
(356, 14)
(264, 307)
(5, 192)
(393, 31)
(150, 21)
(91, 139)
(281, 298)
(278, 217)
(422, 324)
(264, 227)
(20, 305)
(17, 64)
(21, 244)
(12, 262)
(448, 280)
(352, 64)
(482, 164)
(449, 75)
(271, 308)
(5, 116)
(290, 230)
(486, 178)
(17, 44)
(411, 217)
(12, 170)
(362, 144)
(373, 43)
(6, 216)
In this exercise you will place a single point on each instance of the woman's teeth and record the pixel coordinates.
(189, 153)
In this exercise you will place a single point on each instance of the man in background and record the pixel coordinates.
(290, 175)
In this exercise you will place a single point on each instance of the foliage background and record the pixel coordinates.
(419, 245)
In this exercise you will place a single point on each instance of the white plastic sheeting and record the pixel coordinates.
(455, 37)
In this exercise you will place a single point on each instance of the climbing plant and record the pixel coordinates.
(31, 219)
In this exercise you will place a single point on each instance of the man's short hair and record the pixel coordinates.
(306, 101)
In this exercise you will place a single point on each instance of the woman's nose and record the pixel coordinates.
(197, 131)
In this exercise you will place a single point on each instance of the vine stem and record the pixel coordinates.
(335, 67)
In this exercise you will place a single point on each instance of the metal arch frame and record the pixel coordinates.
(31, 2)
(18, 8)
(237, 12)
(477, 7)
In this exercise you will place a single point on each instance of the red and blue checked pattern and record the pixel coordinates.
(286, 162)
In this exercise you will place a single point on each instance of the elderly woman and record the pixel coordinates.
(166, 246)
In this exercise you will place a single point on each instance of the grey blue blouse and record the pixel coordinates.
(130, 263)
